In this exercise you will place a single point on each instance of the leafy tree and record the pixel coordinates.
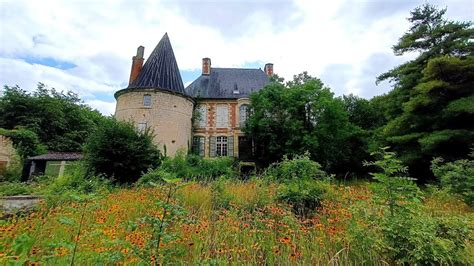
(431, 103)
(60, 120)
(119, 152)
(300, 116)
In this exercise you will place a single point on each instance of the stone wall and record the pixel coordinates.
(7, 153)
(169, 116)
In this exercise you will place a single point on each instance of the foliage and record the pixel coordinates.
(457, 177)
(303, 195)
(300, 116)
(60, 120)
(160, 236)
(428, 109)
(410, 234)
(119, 152)
(194, 167)
(123, 227)
(14, 188)
(394, 190)
(299, 167)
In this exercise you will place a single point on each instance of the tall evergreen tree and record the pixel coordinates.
(430, 107)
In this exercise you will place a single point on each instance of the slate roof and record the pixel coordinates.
(222, 82)
(58, 156)
(160, 70)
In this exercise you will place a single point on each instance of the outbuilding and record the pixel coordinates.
(53, 164)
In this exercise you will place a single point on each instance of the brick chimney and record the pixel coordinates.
(206, 66)
(268, 69)
(137, 64)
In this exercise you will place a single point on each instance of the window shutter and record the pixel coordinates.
(212, 146)
(202, 141)
(230, 146)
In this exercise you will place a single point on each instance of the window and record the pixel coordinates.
(243, 114)
(201, 121)
(222, 116)
(221, 146)
(147, 100)
(141, 126)
(198, 145)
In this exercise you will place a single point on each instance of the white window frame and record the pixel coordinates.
(221, 146)
(222, 116)
(147, 100)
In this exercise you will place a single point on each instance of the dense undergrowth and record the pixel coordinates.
(293, 213)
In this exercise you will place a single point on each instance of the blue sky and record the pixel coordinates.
(86, 46)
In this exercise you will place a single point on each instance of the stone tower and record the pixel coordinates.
(155, 99)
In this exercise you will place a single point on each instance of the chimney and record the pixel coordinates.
(206, 66)
(137, 64)
(268, 69)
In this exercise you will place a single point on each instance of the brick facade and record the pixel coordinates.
(211, 130)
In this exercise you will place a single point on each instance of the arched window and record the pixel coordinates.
(243, 112)
(147, 100)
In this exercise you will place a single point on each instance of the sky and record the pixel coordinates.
(86, 46)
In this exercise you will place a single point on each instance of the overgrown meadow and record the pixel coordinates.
(293, 213)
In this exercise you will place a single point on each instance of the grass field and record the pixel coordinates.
(226, 222)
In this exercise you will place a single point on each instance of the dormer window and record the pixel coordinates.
(236, 92)
(147, 100)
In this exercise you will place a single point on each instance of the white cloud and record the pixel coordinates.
(107, 108)
(100, 37)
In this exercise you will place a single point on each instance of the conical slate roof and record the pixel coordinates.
(160, 70)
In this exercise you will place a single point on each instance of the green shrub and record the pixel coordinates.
(457, 177)
(300, 167)
(220, 197)
(408, 233)
(394, 189)
(425, 240)
(194, 167)
(14, 188)
(303, 195)
(155, 176)
(119, 152)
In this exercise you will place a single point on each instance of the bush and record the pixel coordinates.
(119, 152)
(408, 232)
(14, 188)
(303, 195)
(194, 167)
(300, 167)
(457, 177)
(155, 176)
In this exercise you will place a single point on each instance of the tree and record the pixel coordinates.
(431, 36)
(300, 116)
(429, 109)
(119, 152)
(60, 120)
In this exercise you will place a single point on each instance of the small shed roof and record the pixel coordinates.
(58, 156)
